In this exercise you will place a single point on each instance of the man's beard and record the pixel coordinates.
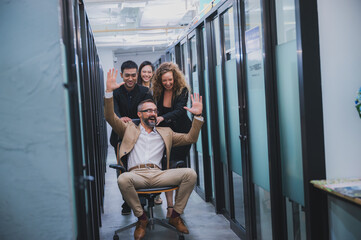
(150, 124)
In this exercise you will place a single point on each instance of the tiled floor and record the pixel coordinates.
(200, 217)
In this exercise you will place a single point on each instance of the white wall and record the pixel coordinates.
(138, 58)
(36, 197)
(106, 60)
(340, 39)
(106, 57)
(340, 50)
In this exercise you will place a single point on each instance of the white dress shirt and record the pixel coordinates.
(149, 147)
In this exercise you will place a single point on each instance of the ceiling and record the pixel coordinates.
(139, 25)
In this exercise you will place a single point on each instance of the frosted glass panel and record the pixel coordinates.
(222, 137)
(233, 116)
(257, 119)
(289, 121)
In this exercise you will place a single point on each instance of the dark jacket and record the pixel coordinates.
(125, 108)
(178, 120)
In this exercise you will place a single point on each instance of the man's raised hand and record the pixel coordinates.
(197, 106)
(111, 80)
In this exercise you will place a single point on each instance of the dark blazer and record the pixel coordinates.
(123, 108)
(177, 118)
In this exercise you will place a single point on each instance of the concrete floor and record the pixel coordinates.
(200, 217)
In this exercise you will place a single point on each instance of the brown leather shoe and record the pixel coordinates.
(178, 223)
(139, 231)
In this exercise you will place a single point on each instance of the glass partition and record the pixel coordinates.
(207, 102)
(198, 148)
(232, 114)
(257, 121)
(220, 107)
(184, 62)
(289, 118)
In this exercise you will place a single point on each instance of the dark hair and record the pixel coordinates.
(140, 105)
(142, 65)
(128, 64)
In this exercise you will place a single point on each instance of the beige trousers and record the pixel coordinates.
(128, 182)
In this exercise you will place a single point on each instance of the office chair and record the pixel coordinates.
(147, 196)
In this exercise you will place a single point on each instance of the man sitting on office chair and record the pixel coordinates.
(145, 145)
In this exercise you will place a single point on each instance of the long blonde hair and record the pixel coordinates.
(178, 78)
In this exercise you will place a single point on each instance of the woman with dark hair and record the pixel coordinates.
(170, 92)
(145, 74)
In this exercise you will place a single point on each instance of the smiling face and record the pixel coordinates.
(146, 73)
(129, 76)
(168, 81)
(148, 114)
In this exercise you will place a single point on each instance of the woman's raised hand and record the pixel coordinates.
(111, 80)
(197, 106)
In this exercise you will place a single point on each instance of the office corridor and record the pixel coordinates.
(200, 217)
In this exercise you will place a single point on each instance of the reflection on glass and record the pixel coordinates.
(193, 55)
(218, 41)
(286, 20)
(238, 199)
(296, 227)
(256, 99)
(209, 129)
(184, 56)
(232, 114)
(257, 122)
(192, 158)
(220, 104)
(289, 118)
(194, 72)
(208, 107)
(172, 57)
(229, 34)
(263, 213)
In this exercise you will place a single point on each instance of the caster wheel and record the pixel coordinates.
(115, 237)
(181, 237)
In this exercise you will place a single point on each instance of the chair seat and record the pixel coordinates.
(156, 190)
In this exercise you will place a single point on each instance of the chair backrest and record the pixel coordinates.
(136, 121)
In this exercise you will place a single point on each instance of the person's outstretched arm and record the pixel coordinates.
(114, 121)
(192, 136)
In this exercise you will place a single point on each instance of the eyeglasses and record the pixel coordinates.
(150, 111)
(130, 75)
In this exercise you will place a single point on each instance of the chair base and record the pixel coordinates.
(149, 195)
(152, 222)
